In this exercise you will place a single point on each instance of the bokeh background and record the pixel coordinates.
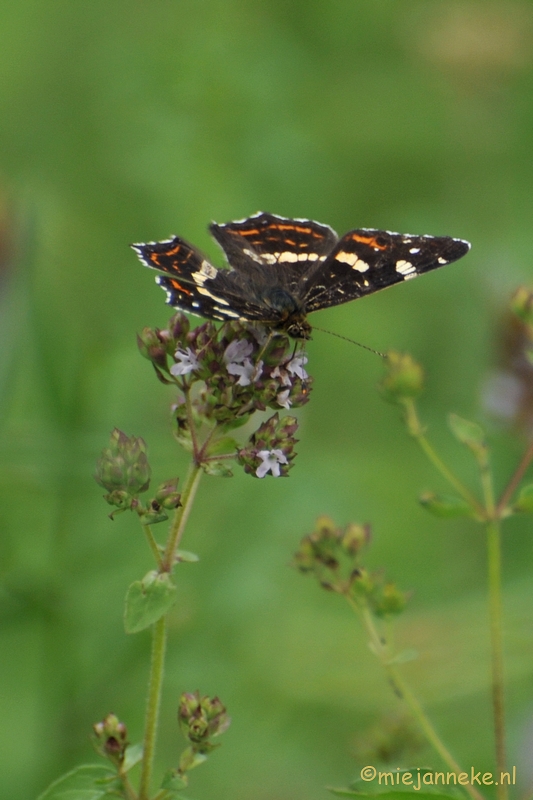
(129, 121)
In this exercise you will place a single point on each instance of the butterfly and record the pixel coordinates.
(282, 269)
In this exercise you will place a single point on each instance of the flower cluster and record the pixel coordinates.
(270, 448)
(123, 470)
(224, 375)
(333, 556)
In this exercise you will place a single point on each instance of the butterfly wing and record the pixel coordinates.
(367, 260)
(287, 246)
(194, 285)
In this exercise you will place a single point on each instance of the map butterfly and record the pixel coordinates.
(282, 269)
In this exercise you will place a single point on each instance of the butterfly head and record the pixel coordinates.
(297, 326)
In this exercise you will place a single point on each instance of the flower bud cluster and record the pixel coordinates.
(123, 470)
(111, 738)
(241, 368)
(201, 719)
(333, 556)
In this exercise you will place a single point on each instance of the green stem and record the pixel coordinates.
(191, 423)
(416, 430)
(181, 516)
(401, 688)
(152, 544)
(131, 794)
(157, 667)
(495, 614)
(495, 610)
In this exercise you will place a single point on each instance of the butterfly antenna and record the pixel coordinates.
(352, 341)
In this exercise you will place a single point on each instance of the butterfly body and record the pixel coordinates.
(283, 269)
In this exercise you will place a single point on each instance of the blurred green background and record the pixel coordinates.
(129, 121)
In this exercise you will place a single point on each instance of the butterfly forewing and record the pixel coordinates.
(268, 239)
(367, 260)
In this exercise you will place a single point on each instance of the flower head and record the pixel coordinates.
(187, 362)
(270, 461)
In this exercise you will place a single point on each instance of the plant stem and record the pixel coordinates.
(495, 614)
(190, 420)
(152, 544)
(128, 788)
(152, 710)
(181, 516)
(401, 688)
(416, 430)
(515, 479)
(495, 610)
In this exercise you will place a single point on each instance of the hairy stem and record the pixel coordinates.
(157, 667)
(191, 423)
(402, 690)
(495, 611)
(181, 516)
(152, 544)
(495, 614)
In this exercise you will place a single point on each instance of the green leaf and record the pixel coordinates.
(87, 782)
(222, 446)
(445, 505)
(173, 781)
(148, 600)
(470, 434)
(218, 468)
(525, 499)
(186, 556)
(133, 755)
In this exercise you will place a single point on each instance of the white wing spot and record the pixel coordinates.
(206, 271)
(414, 250)
(288, 256)
(207, 293)
(270, 258)
(226, 311)
(253, 255)
(442, 260)
(406, 269)
(352, 260)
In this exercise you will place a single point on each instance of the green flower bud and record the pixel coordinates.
(404, 378)
(123, 468)
(167, 495)
(111, 738)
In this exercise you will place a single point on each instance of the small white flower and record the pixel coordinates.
(282, 374)
(188, 362)
(291, 369)
(296, 367)
(283, 398)
(237, 351)
(247, 371)
(271, 459)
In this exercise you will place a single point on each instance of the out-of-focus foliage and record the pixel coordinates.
(129, 121)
